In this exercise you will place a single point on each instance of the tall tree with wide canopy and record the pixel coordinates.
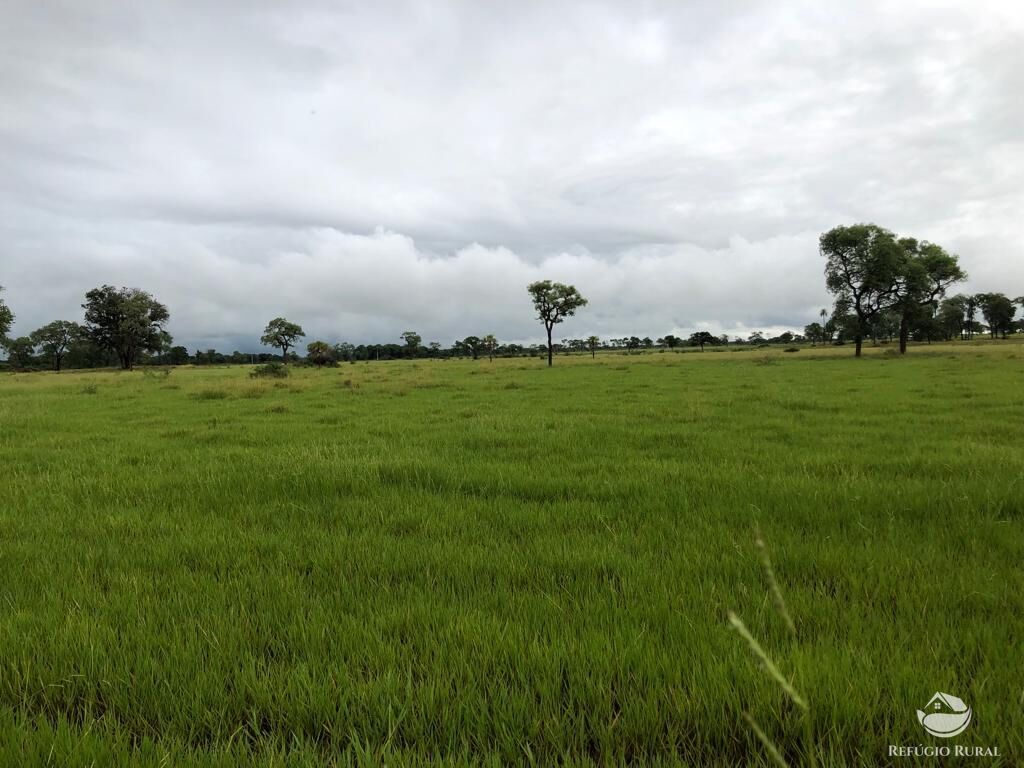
(554, 302)
(863, 270)
(700, 338)
(927, 272)
(55, 339)
(282, 334)
(126, 321)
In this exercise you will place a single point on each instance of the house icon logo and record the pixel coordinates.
(944, 716)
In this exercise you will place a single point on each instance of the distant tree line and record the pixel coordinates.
(885, 288)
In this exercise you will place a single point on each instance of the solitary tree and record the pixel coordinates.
(592, 344)
(282, 334)
(6, 318)
(700, 338)
(412, 342)
(554, 302)
(863, 270)
(55, 338)
(125, 321)
(320, 353)
(489, 343)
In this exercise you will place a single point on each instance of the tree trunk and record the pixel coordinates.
(860, 343)
(550, 350)
(904, 333)
(284, 355)
(593, 353)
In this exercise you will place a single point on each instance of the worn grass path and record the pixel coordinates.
(494, 563)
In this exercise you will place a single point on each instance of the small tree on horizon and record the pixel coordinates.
(55, 338)
(700, 338)
(554, 302)
(319, 353)
(592, 344)
(412, 342)
(282, 334)
(489, 343)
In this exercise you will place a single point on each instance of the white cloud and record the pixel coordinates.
(368, 169)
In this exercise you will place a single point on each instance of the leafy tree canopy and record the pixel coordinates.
(126, 321)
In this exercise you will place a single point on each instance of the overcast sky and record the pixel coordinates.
(368, 168)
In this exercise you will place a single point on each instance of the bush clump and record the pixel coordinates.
(270, 370)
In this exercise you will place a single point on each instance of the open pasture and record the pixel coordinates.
(495, 562)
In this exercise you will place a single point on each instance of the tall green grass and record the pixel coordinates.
(494, 563)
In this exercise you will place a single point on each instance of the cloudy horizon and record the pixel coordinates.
(413, 166)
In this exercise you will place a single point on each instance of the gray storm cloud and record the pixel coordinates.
(365, 170)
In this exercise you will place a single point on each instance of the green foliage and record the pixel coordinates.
(412, 340)
(700, 338)
(863, 266)
(554, 302)
(478, 574)
(20, 351)
(125, 321)
(320, 353)
(998, 312)
(884, 286)
(55, 339)
(489, 343)
(271, 370)
(211, 394)
(6, 318)
(282, 334)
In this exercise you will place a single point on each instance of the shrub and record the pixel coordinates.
(210, 394)
(89, 389)
(156, 372)
(791, 349)
(271, 370)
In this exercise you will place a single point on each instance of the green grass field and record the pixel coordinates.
(477, 562)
